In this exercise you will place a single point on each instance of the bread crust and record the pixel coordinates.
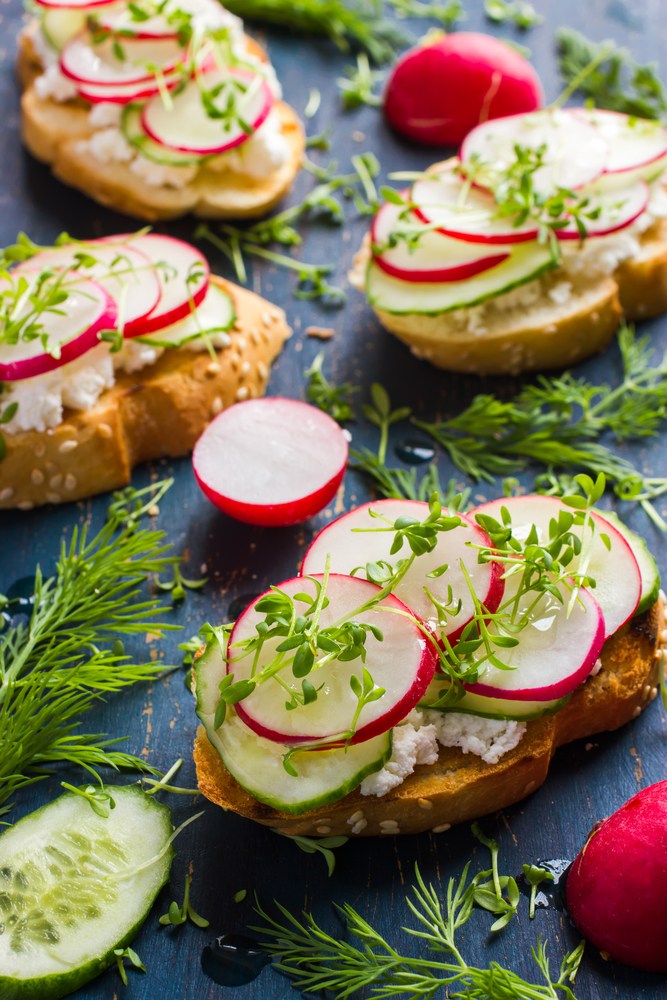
(461, 787)
(156, 412)
(56, 134)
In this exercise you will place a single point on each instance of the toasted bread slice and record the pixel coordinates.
(56, 134)
(158, 411)
(461, 787)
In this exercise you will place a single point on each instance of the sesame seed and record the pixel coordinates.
(213, 368)
(40, 450)
(216, 405)
(262, 370)
(360, 825)
(71, 482)
(234, 361)
(654, 693)
(7, 493)
(355, 817)
(323, 829)
(663, 635)
(53, 497)
(389, 826)
(25, 505)
(154, 510)
(637, 711)
(424, 803)
(442, 828)
(242, 392)
(241, 343)
(266, 319)
(246, 367)
(646, 691)
(68, 445)
(37, 477)
(529, 787)
(254, 336)
(55, 482)
(104, 431)
(276, 314)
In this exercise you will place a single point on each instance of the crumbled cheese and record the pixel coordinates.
(162, 174)
(599, 256)
(560, 293)
(411, 746)
(54, 85)
(109, 145)
(489, 739)
(133, 356)
(259, 156)
(105, 115)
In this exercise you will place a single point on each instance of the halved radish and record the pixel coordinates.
(124, 271)
(465, 212)
(271, 461)
(99, 65)
(618, 583)
(210, 320)
(241, 101)
(618, 209)
(636, 145)
(182, 271)
(72, 328)
(402, 663)
(128, 92)
(575, 154)
(352, 541)
(434, 257)
(556, 651)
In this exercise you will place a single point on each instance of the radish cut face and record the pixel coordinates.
(127, 275)
(556, 650)
(209, 323)
(401, 663)
(187, 126)
(616, 889)
(348, 546)
(270, 461)
(618, 582)
(74, 4)
(634, 143)
(127, 92)
(434, 257)
(616, 209)
(99, 64)
(575, 154)
(70, 330)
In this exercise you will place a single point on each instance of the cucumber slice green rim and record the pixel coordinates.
(130, 125)
(648, 567)
(74, 886)
(502, 709)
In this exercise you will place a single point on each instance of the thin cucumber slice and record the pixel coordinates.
(323, 776)
(490, 708)
(209, 321)
(74, 886)
(526, 262)
(60, 24)
(132, 129)
(648, 567)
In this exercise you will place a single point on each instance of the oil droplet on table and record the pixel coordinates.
(239, 604)
(414, 451)
(233, 960)
(549, 895)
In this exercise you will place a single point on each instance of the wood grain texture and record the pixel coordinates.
(587, 780)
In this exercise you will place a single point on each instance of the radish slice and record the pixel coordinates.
(210, 320)
(74, 4)
(72, 330)
(127, 275)
(402, 663)
(98, 65)
(634, 143)
(187, 127)
(182, 271)
(618, 209)
(271, 461)
(576, 154)
(618, 582)
(465, 212)
(126, 93)
(121, 19)
(556, 650)
(433, 258)
(351, 542)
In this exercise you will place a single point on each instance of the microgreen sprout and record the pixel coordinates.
(179, 584)
(319, 845)
(517, 12)
(357, 87)
(177, 915)
(99, 799)
(333, 400)
(448, 13)
(132, 957)
(535, 876)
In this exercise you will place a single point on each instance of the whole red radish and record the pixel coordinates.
(617, 887)
(441, 89)
(271, 461)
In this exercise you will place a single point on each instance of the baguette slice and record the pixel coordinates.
(56, 134)
(461, 787)
(156, 412)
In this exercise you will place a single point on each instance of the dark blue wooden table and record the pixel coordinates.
(225, 853)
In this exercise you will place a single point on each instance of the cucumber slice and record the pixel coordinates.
(60, 24)
(323, 776)
(526, 262)
(132, 129)
(491, 708)
(213, 317)
(648, 567)
(71, 890)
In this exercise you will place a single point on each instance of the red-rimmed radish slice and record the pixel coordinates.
(434, 257)
(556, 652)
(348, 546)
(98, 65)
(127, 93)
(182, 271)
(186, 125)
(575, 153)
(464, 212)
(72, 329)
(617, 209)
(618, 582)
(74, 4)
(271, 461)
(210, 320)
(127, 274)
(402, 663)
(635, 144)
(121, 18)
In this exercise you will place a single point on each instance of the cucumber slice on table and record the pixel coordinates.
(323, 776)
(132, 129)
(526, 262)
(74, 886)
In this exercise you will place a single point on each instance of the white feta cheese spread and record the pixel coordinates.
(161, 174)
(105, 115)
(261, 155)
(53, 85)
(109, 145)
(411, 746)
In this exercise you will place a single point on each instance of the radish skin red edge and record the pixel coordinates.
(271, 462)
(403, 663)
(616, 890)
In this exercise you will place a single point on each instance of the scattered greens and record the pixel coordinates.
(517, 12)
(534, 876)
(333, 400)
(617, 82)
(177, 915)
(99, 799)
(320, 845)
(447, 13)
(357, 87)
(132, 957)
(56, 666)
(178, 585)
(240, 895)
(317, 961)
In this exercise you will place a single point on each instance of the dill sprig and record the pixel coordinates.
(56, 666)
(617, 82)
